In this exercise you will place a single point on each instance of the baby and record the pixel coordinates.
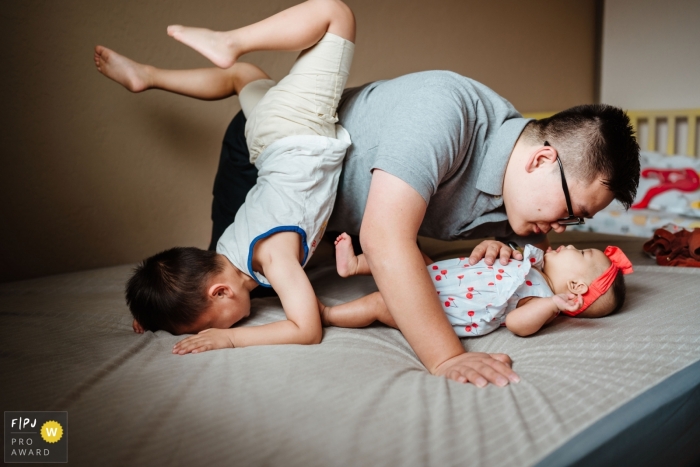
(522, 295)
(298, 149)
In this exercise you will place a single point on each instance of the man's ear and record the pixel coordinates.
(219, 290)
(541, 156)
(577, 286)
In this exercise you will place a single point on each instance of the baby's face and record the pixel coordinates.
(568, 263)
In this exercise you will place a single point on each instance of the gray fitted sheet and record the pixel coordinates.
(361, 397)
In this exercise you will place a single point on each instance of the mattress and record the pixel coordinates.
(593, 392)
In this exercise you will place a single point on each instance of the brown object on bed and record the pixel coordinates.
(675, 249)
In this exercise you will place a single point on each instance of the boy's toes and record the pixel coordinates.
(174, 29)
(102, 53)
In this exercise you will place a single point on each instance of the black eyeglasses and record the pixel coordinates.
(571, 220)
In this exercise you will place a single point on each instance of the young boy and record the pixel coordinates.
(298, 149)
(521, 295)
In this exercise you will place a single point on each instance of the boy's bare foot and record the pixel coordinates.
(133, 76)
(216, 46)
(345, 259)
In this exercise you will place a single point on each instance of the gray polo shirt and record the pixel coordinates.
(447, 136)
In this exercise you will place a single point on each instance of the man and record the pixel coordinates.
(440, 155)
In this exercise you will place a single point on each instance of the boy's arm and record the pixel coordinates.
(529, 318)
(303, 323)
(283, 270)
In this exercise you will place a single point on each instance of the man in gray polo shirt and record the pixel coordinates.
(440, 155)
(446, 136)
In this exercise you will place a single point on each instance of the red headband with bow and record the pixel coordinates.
(598, 287)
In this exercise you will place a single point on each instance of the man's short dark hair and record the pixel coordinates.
(592, 141)
(168, 290)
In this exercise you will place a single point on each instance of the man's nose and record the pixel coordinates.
(557, 228)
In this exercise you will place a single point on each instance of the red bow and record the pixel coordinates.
(598, 287)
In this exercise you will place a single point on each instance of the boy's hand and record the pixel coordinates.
(479, 369)
(568, 302)
(137, 327)
(489, 250)
(209, 339)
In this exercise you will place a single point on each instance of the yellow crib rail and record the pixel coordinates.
(652, 118)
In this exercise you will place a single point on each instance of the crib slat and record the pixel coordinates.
(692, 135)
(651, 133)
(671, 134)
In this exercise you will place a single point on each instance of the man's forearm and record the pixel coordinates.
(399, 271)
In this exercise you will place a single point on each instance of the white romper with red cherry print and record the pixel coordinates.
(476, 299)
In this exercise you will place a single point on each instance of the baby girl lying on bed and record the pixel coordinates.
(522, 295)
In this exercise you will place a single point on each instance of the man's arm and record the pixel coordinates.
(490, 250)
(388, 234)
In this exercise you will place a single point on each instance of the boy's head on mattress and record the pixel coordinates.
(187, 290)
(595, 275)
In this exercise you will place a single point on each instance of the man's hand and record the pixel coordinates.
(209, 339)
(137, 327)
(492, 249)
(568, 302)
(479, 369)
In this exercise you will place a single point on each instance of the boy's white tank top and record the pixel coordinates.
(295, 192)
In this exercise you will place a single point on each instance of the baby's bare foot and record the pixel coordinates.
(219, 47)
(324, 311)
(345, 259)
(133, 76)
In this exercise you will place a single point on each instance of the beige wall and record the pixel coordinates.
(651, 54)
(91, 175)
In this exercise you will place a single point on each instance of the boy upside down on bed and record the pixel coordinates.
(521, 295)
(298, 149)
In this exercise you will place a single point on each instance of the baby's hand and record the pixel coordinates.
(209, 339)
(137, 327)
(568, 302)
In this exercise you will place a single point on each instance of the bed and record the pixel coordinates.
(624, 390)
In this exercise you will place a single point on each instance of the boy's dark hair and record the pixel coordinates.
(593, 140)
(168, 290)
(619, 291)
